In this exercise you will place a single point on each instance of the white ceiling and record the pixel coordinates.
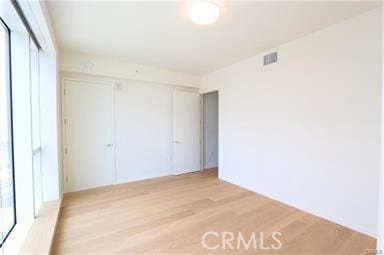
(160, 33)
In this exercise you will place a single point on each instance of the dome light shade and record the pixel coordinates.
(203, 12)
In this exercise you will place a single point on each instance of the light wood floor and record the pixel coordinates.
(169, 215)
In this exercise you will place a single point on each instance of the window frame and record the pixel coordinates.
(10, 111)
(36, 150)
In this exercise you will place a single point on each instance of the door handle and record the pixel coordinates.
(109, 145)
(177, 141)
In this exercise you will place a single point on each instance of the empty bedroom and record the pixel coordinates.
(191, 127)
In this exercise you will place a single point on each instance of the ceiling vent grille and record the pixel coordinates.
(270, 58)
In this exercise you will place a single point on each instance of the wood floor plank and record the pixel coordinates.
(169, 215)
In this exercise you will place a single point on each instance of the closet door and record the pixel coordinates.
(143, 131)
(89, 135)
(186, 132)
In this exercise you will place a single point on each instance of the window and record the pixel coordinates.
(7, 188)
(35, 109)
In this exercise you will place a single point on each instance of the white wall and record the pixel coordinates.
(78, 63)
(50, 126)
(306, 130)
(211, 129)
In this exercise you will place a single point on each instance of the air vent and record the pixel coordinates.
(270, 58)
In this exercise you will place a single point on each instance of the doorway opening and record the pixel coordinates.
(211, 131)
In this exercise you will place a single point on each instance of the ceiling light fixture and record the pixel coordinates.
(203, 12)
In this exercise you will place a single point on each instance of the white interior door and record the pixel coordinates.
(143, 131)
(186, 128)
(89, 135)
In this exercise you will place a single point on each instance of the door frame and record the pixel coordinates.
(202, 129)
(64, 79)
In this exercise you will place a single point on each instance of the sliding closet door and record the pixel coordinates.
(89, 135)
(143, 131)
